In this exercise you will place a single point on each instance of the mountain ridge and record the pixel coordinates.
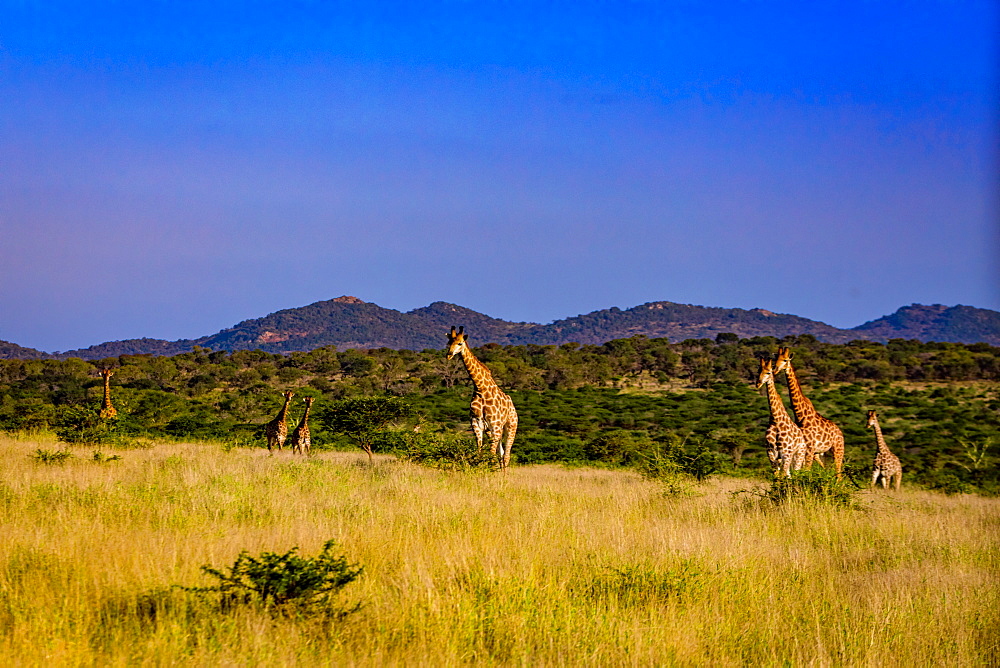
(349, 322)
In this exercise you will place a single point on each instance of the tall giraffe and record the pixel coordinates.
(107, 410)
(301, 439)
(786, 446)
(820, 433)
(887, 466)
(277, 429)
(491, 408)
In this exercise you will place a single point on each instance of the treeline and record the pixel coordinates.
(589, 403)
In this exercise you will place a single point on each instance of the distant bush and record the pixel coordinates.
(52, 456)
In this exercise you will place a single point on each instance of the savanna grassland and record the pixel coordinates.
(547, 565)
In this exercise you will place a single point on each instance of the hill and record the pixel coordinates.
(12, 351)
(956, 324)
(349, 322)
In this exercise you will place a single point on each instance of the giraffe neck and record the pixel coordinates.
(107, 392)
(880, 445)
(801, 405)
(778, 412)
(481, 376)
(305, 416)
(284, 410)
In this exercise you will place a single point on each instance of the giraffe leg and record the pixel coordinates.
(899, 480)
(496, 441)
(477, 429)
(509, 442)
(874, 478)
(838, 456)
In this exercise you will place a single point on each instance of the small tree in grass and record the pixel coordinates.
(285, 582)
(364, 419)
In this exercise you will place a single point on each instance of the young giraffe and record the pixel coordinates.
(786, 446)
(301, 439)
(820, 433)
(107, 410)
(491, 408)
(887, 466)
(277, 429)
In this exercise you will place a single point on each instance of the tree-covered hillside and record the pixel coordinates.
(348, 322)
(593, 403)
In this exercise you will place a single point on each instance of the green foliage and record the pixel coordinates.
(449, 452)
(52, 456)
(820, 486)
(598, 404)
(285, 582)
(675, 455)
(618, 447)
(363, 419)
(102, 458)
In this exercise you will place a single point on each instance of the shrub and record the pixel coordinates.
(822, 486)
(450, 452)
(674, 456)
(285, 582)
(52, 456)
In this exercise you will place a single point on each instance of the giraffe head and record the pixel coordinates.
(872, 420)
(288, 394)
(309, 401)
(107, 373)
(457, 343)
(784, 360)
(766, 374)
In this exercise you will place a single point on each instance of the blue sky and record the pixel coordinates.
(168, 169)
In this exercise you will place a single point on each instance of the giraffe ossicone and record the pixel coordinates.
(491, 409)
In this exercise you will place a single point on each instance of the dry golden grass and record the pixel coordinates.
(546, 566)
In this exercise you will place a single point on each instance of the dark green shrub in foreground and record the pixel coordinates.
(285, 582)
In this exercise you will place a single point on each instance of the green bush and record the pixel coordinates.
(52, 456)
(450, 452)
(285, 583)
(810, 484)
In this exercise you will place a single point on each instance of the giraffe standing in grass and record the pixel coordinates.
(821, 434)
(107, 410)
(301, 439)
(786, 446)
(887, 466)
(491, 409)
(277, 429)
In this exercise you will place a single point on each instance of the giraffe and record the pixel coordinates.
(887, 466)
(786, 446)
(277, 429)
(301, 439)
(491, 408)
(107, 410)
(820, 433)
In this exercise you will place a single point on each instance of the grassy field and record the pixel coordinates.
(544, 566)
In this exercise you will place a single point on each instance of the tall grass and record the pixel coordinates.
(543, 566)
